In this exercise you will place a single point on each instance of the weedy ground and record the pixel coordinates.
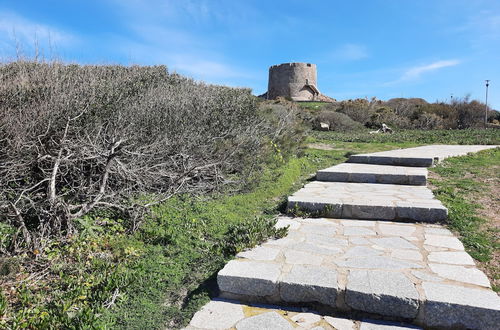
(159, 276)
(470, 188)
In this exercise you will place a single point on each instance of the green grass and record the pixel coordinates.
(312, 105)
(414, 137)
(460, 183)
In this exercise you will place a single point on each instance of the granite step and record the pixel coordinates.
(232, 314)
(417, 273)
(425, 156)
(368, 173)
(367, 201)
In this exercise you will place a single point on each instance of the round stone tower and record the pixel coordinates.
(294, 80)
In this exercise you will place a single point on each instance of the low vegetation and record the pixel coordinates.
(469, 187)
(412, 137)
(399, 113)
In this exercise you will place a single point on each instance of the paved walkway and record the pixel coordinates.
(424, 156)
(415, 272)
(368, 201)
(227, 314)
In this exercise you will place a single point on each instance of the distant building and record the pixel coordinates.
(297, 81)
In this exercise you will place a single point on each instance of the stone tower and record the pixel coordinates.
(294, 80)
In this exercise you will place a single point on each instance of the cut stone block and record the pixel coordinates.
(448, 242)
(326, 230)
(407, 255)
(461, 274)
(270, 320)
(396, 230)
(356, 223)
(384, 325)
(367, 173)
(437, 231)
(362, 251)
(424, 156)
(321, 248)
(340, 323)
(457, 258)
(379, 262)
(359, 241)
(426, 276)
(217, 314)
(393, 243)
(249, 278)
(260, 253)
(310, 284)
(302, 258)
(358, 231)
(368, 201)
(453, 306)
(306, 319)
(384, 293)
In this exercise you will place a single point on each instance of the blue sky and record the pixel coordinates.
(384, 48)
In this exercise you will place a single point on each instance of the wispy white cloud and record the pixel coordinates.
(15, 28)
(206, 66)
(167, 32)
(417, 71)
(350, 52)
(207, 69)
(225, 12)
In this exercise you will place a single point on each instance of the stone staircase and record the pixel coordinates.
(373, 250)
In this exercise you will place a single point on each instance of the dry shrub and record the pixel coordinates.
(337, 121)
(415, 113)
(359, 110)
(76, 138)
(469, 113)
(386, 115)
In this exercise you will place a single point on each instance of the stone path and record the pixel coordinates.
(424, 156)
(367, 173)
(414, 272)
(228, 314)
(368, 201)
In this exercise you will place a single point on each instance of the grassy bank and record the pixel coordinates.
(469, 187)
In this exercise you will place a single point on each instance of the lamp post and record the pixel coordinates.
(486, 105)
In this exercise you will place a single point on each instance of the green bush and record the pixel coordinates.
(359, 110)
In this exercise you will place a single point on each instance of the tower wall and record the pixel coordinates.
(294, 80)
